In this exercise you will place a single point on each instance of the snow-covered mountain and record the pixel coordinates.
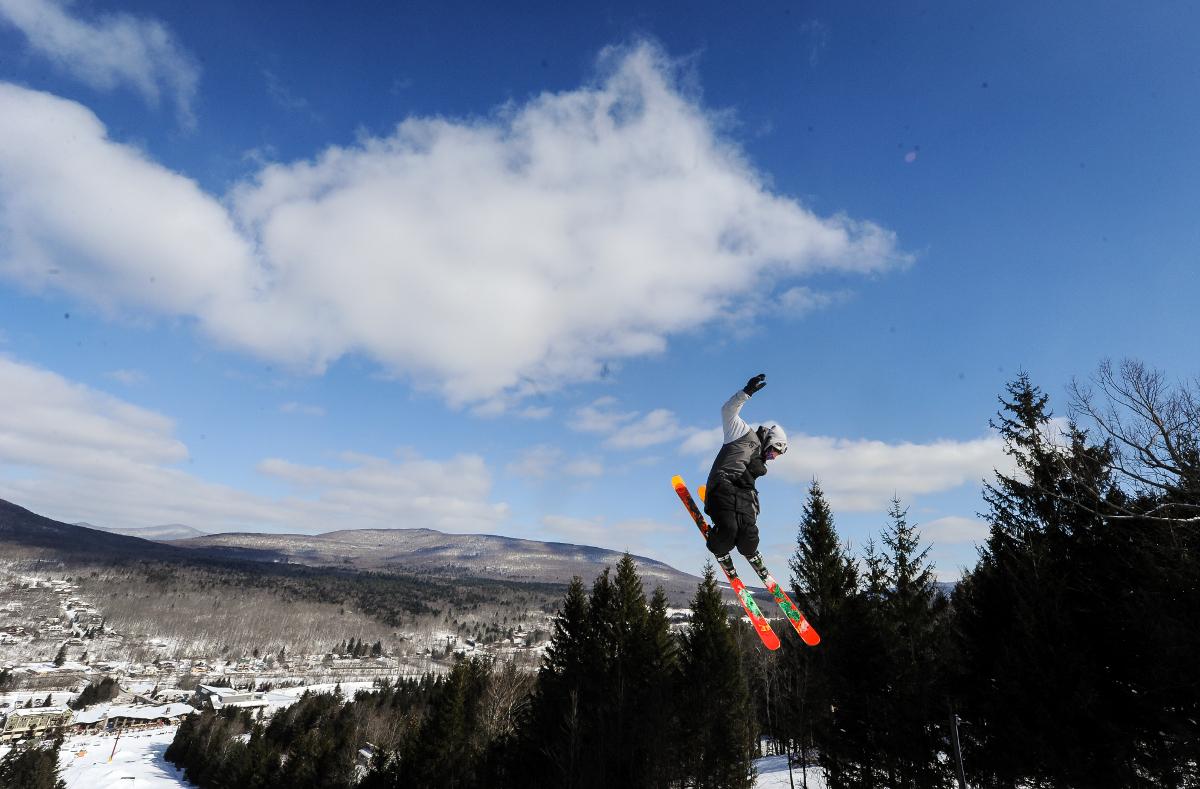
(167, 531)
(434, 552)
(406, 551)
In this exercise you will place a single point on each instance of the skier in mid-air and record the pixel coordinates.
(730, 498)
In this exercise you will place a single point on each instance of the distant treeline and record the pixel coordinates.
(1068, 655)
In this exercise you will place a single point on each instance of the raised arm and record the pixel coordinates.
(731, 421)
(734, 426)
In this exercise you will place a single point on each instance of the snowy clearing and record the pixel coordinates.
(139, 762)
(773, 774)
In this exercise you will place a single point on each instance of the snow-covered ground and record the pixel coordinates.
(139, 763)
(773, 774)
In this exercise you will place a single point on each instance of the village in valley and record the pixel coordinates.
(66, 670)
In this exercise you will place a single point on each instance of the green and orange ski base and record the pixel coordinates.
(761, 625)
(799, 623)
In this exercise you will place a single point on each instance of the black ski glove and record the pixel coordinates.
(755, 383)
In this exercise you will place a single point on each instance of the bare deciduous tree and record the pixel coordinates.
(1153, 432)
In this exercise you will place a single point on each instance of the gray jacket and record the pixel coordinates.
(731, 481)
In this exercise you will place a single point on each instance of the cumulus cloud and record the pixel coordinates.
(863, 475)
(411, 491)
(499, 256)
(635, 535)
(656, 427)
(124, 467)
(599, 416)
(545, 461)
(954, 529)
(799, 301)
(629, 429)
(98, 219)
(112, 51)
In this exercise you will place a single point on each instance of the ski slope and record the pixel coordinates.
(138, 762)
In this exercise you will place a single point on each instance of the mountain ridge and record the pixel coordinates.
(400, 551)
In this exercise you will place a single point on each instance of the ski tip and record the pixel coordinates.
(677, 481)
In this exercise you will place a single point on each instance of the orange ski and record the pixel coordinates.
(799, 622)
(761, 625)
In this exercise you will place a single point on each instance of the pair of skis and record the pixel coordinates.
(761, 625)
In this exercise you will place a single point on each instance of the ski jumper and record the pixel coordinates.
(731, 499)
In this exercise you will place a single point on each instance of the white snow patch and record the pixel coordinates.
(773, 774)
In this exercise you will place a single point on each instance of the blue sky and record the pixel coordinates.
(288, 268)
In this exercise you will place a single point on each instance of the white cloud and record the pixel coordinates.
(630, 429)
(599, 416)
(703, 442)
(544, 461)
(450, 495)
(634, 535)
(536, 462)
(508, 255)
(656, 427)
(122, 466)
(863, 475)
(113, 50)
(799, 301)
(97, 219)
(953, 529)
(301, 409)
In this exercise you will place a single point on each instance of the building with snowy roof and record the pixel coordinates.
(139, 716)
(218, 697)
(34, 722)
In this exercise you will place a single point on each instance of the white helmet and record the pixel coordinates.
(775, 439)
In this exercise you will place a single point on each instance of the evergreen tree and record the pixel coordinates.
(1035, 618)
(555, 733)
(445, 753)
(660, 690)
(715, 719)
(61, 657)
(30, 767)
(824, 582)
(913, 627)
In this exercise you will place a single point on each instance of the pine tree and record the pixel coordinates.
(825, 581)
(660, 691)
(1033, 626)
(823, 574)
(61, 657)
(555, 736)
(912, 711)
(715, 718)
(30, 767)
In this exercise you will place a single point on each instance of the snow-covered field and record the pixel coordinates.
(139, 763)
